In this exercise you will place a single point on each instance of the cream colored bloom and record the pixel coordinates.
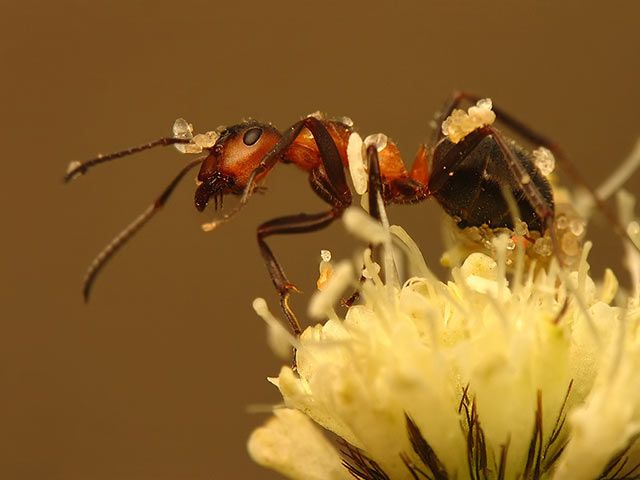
(503, 372)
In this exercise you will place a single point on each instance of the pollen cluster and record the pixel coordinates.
(460, 123)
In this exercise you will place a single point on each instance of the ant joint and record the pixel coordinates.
(460, 123)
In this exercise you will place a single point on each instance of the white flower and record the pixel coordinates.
(530, 373)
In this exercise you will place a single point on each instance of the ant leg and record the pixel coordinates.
(457, 153)
(539, 139)
(375, 182)
(328, 153)
(450, 105)
(114, 245)
(420, 169)
(375, 193)
(79, 168)
(330, 185)
(453, 102)
(533, 194)
(458, 97)
(519, 178)
(540, 205)
(301, 223)
(567, 165)
(518, 171)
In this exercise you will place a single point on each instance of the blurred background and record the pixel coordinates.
(155, 378)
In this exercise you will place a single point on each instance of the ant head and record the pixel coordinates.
(232, 159)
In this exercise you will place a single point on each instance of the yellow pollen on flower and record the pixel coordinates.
(326, 270)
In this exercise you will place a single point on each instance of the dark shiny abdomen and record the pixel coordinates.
(468, 184)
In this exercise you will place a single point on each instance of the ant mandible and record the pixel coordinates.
(467, 177)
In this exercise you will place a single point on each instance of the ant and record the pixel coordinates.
(467, 175)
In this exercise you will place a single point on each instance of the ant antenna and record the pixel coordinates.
(119, 240)
(78, 168)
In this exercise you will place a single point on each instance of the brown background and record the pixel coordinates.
(154, 377)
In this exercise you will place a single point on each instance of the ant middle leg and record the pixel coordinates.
(375, 195)
(301, 223)
(327, 180)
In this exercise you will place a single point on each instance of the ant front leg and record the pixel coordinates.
(328, 182)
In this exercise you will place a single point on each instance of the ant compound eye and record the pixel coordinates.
(252, 135)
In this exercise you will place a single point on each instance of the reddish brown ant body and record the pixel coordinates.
(468, 178)
(241, 156)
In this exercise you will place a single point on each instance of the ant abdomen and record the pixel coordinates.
(471, 179)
